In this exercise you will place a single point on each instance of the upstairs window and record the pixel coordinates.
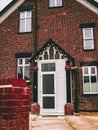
(90, 85)
(55, 3)
(88, 39)
(23, 69)
(25, 21)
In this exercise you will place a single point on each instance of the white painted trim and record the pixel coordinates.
(88, 5)
(11, 10)
(5, 86)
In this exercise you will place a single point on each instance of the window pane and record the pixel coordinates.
(22, 25)
(48, 84)
(28, 25)
(93, 70)
(27, 61)
(93, 84)
(59, 2)
(86, 79)
(86, 86)
(52, 3)
(48, 102)
(20, 61)
(85, 70)
(93, 79)
(20, 72)
(88, 33)
(22, 15)
(27, 73)
(28, 14)
(48, 67)
(88, 44)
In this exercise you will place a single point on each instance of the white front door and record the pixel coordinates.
(52, 87)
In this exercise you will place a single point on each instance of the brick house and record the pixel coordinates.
(53, 45)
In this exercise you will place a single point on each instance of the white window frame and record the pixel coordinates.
(23, 65)
(89, 74)
(96, 1)
(55, 3)
(24, 18)
(87, 39)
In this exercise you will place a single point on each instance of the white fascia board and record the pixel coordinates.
(88, 5)
(10, 10)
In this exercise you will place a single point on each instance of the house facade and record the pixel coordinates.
(53, 45)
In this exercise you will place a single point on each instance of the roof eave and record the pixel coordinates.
(88, 4)
(10, 9)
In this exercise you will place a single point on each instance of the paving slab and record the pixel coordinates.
(49, 123)
(83, 122)
(74, 122)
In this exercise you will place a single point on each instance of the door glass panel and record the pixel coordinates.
(48, 102)
(48, 84)
(48, 67)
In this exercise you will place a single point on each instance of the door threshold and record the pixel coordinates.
(49, 116)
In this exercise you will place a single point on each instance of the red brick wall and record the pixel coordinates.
(14, 108)
(61, 24)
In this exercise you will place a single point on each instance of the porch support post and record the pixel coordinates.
(76, 74)
(35, 95)
(68, 86)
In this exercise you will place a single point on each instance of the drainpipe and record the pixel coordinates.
(35, 27)
(35, 80)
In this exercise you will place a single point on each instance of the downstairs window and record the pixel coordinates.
(23, 69)
(90, 85)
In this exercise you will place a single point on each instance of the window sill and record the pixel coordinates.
(24, 32)
(89, 49)
(90, 94)
(53, 7)
(28, 83)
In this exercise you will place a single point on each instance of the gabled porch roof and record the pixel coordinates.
(50, 42)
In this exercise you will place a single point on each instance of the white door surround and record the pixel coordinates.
(56, 92)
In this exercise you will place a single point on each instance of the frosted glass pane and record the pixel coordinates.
(22, 25)
(86, 87)
(88, 44)
(94, 87)
(28, 25)
(88, 33)
(22, 15)
(52, 3)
